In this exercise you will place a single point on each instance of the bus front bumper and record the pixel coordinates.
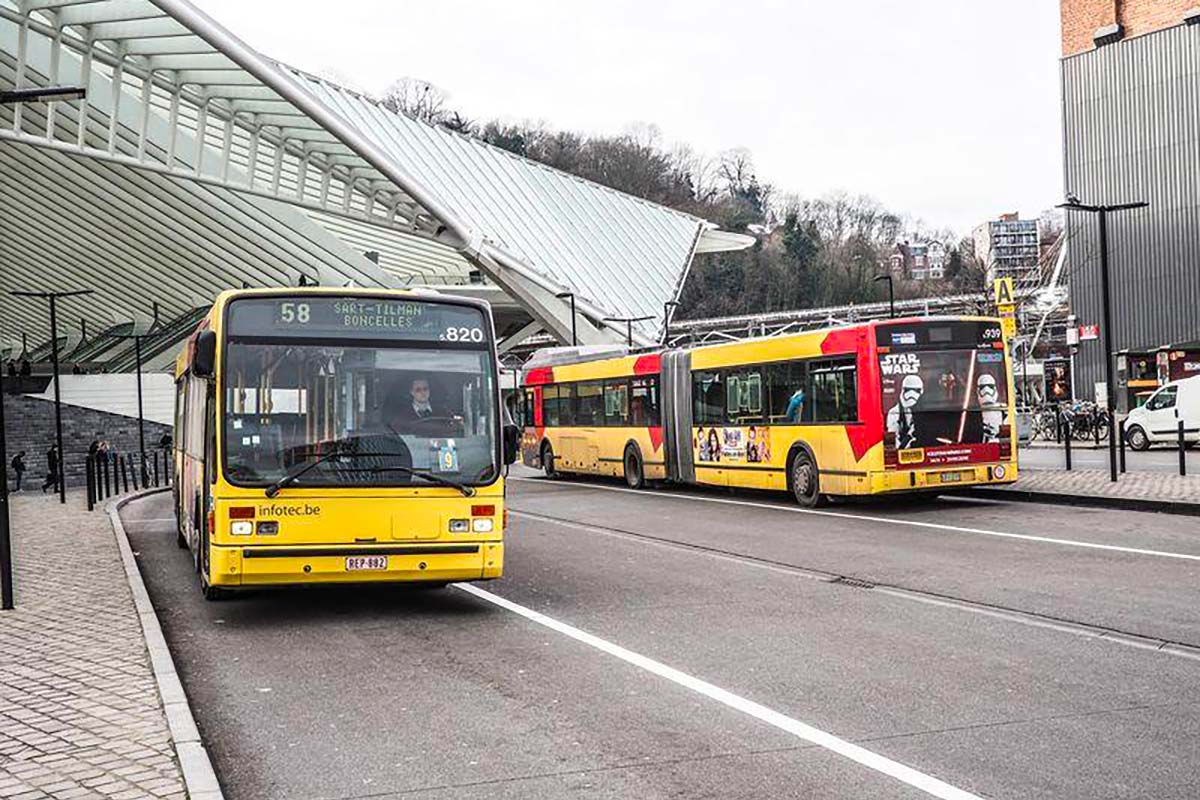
(247, 566)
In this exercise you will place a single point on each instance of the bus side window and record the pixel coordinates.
(786, 391)
(616, 404)
(527, 408)
(589, 408)
(708, 393)
(834, 392)
(643, 402)
(551, 406)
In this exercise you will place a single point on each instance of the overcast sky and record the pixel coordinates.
(943, 109)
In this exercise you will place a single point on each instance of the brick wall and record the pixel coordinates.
(29, 426)
(1081, 18)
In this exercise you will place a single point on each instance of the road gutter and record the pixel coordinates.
(1086, 500)
(199, 778)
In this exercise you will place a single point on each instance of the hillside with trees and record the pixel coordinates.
(809, 252)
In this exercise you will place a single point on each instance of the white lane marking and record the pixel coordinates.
(899, 592)
(919, 780)
(882, 520)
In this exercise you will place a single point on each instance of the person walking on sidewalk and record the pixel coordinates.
(51, 469)
(18, 465)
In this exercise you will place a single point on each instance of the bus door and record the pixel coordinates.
(583, 445)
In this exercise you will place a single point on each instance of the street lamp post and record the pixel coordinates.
(32, 95)
(1073, 204)
(628, 326)
(667, 306)
(891, 294)
(137, 349)
(53, 298)
(564, 296)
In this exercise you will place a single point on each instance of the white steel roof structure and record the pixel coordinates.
(194, 163)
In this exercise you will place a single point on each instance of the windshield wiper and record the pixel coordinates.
(295, 474)
(432, 477)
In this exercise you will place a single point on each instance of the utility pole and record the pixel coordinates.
(31, 95)
(137, 349)
(891, 294)
(58, 438)
(564, 296)
(667, 306)
(628, 326)
(1110, 389)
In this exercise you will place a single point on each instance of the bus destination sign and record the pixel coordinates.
(356, 317)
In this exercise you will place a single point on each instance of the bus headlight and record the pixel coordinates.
(460, 525)
(999, 472)
(241, 527)
(483, 525)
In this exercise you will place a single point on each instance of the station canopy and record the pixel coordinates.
(193, 163)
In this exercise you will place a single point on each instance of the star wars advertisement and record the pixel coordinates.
(944, 407)
(745, 445)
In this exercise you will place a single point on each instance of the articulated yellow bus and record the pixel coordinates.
(341, 435)
(892, 406)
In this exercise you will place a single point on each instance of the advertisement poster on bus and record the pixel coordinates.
(946, 406)
(733, 445)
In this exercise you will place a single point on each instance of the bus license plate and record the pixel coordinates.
(366, 563)
(951, 477)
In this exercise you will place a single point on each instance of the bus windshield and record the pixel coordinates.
(388, 408)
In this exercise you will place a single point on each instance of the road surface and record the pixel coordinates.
(702, 644)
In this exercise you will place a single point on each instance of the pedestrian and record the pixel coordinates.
(12, 368)
(18, 465)
(26, 370)
(51, 469)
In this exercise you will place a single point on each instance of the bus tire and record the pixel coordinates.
(635, 474)
(548, 461)
(1137, 438)
(211, 593)
(804, 479)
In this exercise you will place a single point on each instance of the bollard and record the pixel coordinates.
(90, 471)
(1182, 451)
(1058, 423)
(122, 474)
(1121, 429)
(104, 464)
(155, 454)
(1067, 442)
(1096, 426)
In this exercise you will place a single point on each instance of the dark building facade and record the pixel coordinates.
(1131, 132)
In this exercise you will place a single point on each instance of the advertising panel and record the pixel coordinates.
(944, 406)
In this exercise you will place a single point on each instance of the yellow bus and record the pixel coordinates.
(891, 406)
(341, 435)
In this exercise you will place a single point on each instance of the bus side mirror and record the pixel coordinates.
(512, 443)
(204, 356)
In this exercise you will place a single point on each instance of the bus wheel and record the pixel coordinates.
(209, 591)
(806, 480)
(548, 461)
(634, 475)
(1137, 437)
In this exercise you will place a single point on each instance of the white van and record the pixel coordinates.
(1158, 419)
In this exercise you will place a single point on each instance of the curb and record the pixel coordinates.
(1093, 501)
(199, 778)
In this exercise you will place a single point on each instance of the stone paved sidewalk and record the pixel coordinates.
(80, 713)
(1152, 487)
